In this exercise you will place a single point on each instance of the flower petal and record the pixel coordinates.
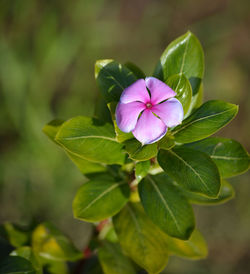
(159, 90)
(127, 115)
(149, 128)
(135, 92)
(170, 112)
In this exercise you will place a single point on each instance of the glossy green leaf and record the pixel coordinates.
(141, 239)
(14, 235)
(51, 244)
(166, 206)
(113, 261)
(226, 193)
(193, 170)
(180, 84)
(142, 169)
(112, 78)
(16, 265)
(99, 199)
(197, 94)
(183, 55)
(206, 120)
(91, 140)
(138, 152)
(136, 70)
(85, 166)
(230, 156)
(27, 253)
(194, 248)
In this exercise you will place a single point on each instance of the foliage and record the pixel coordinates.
(160, 221)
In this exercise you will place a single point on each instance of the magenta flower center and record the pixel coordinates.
(148, 105)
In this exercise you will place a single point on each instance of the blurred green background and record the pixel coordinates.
(47, 55)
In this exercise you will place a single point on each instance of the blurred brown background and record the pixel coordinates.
(47, 54)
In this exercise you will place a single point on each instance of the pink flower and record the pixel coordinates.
(147, 108)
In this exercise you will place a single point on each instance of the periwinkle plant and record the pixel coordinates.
(142, 183)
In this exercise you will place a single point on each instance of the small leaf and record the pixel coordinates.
(182, 56)
(194, 248)
(51, 244)
(14, 235)
(141, 239)
(99, 199)
(193, 170)
(112, 78)
(141, 169)
(206, 120)
(113, 261)
(226, 193)
(91, 140)
(27, 253)
(138, 152)
(230, 156)
(180, 84)
(166, 206)
(16, 265)
(136, 70)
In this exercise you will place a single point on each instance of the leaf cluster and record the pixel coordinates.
(144, 194)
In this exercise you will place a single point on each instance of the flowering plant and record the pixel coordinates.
(148, 156)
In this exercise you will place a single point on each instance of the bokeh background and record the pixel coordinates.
(47, 55)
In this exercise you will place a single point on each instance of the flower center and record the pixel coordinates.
(148, 105)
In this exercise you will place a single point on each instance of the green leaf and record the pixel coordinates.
(183, 55)
(193, 170)
(194, 248)
(142, 169)
(27, 253)
(138, 152)
(180, 84)
(112, 78)
(91, 140)
(230, 156)
(136, 70)
(205, 121)
(166, 206)
(226, 193)
(85, 166)
(197, 94)
(99, 199)
(141, 239)
(113, 261)
(16, 265)
(51, 244)
(14, 235)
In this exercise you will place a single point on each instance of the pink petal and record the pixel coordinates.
(159, 90)
(149, 128)
(170, 112)
(135, 92)
(127, 115)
